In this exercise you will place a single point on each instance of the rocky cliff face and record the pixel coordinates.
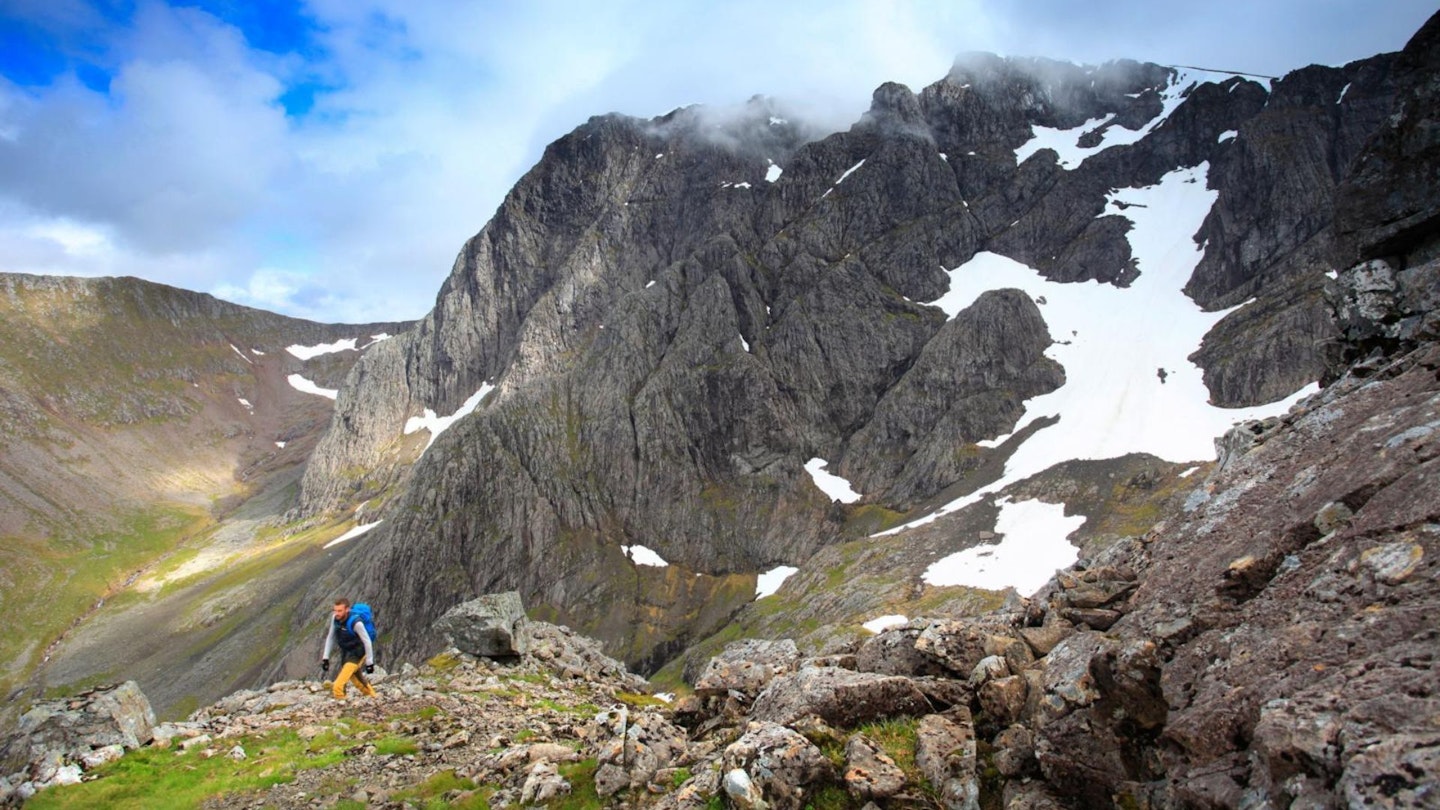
(665, 319)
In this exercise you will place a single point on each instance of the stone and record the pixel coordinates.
(1003, 699)
(543, 783)
(870, 773)
(1044, 638)
(839, 697)
(746, 667)
(779, 761)
(743, 791)
(491, 626)
(945, 755)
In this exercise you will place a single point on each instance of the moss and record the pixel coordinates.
(444, 662)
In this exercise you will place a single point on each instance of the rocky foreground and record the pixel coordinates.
(1273, 645)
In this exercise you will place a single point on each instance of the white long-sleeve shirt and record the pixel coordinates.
(359, 628)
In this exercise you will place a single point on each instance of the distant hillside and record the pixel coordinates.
(135, 417)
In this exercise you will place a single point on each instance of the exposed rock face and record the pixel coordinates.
(672, 328)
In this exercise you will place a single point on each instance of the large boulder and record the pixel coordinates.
(776, 760)
(747, 666)
(493, 625)
(840, 697)
(56, 737)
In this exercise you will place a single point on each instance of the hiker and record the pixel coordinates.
(356, 649)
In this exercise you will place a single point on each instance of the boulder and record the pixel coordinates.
(892, 652)
(492, 625)
(870, 773)
(840, 697)
(945, 754)
(747, 666)
(641, 744)
(67, 730)
(777, 760)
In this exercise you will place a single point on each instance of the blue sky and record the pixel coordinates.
(328, 158)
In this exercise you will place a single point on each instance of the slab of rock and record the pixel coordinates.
(945, 754)
(777, 760)
(747, 666)
(840, 697)
(870, 773)
(492, 625)
(73, 727)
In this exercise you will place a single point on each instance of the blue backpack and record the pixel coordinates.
(361, 612)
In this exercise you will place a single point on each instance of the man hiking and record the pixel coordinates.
(356, 649)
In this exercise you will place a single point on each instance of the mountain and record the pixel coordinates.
(1252, 630)
(666, 321)
(142, 428)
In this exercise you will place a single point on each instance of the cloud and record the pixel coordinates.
(330, 161)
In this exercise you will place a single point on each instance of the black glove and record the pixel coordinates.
(324, 664)
(369, 669)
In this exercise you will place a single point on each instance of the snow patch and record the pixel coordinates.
(773, 173)
(307, 352)
(303, 385)
(641, 555)
(280, 445)
(1189, 471)
(1032, 548)
(246, 403)
(1065, 141)
(879, 623)
(439, 424)
(353, 533)
(1110, 342)
(1227, 135)
(833, 485)
(770, 581)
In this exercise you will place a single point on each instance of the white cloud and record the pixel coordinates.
(188, 170)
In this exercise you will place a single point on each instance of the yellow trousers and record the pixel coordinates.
(351, 669)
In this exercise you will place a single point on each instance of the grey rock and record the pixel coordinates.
(870, 773)
(747, 666)
(780, 762)
(945, 754)
(839, 697)
(492, 625)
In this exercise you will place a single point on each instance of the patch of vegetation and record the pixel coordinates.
(829, 797)
(161, 779)
(398, 746)
(639, 701)
(583, 795)
(444, 662)
(437, 785)
(54, 584)
(896, 736)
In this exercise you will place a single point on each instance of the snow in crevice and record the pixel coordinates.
(353, 533)
(849, 172)
(832, 485)
(744, 344)
(1343, 91)
(1111, 341)
(242, 354)
(1226, 135)
(439, 424)
(246, 403)
(1065, 141)
(299, 383)
(770, 581)
(640, 555)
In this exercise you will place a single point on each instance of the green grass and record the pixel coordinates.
(57, 583)
(161, 779)
(583, 796)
